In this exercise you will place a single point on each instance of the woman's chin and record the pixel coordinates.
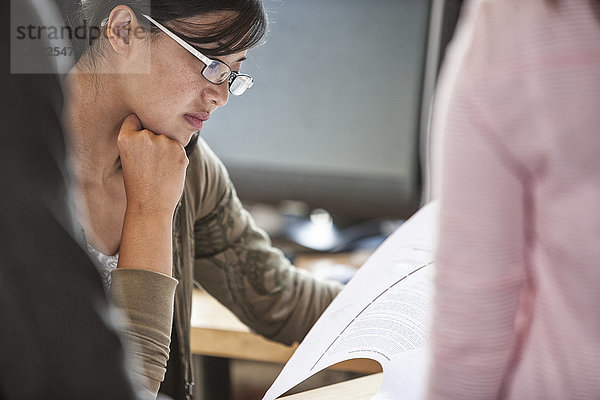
(183, 137)
(187, 138)
(181, 134)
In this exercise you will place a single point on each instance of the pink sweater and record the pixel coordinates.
(517, 144)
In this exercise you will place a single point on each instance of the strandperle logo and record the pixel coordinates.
(41, 41)
(83, 32)
(33, 32)
(65, 34)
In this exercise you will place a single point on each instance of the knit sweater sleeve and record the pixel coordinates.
(236, 263)
(147, 299)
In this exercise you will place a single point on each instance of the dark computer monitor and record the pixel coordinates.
(340, 103)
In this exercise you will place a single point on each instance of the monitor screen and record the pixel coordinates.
(333, 118)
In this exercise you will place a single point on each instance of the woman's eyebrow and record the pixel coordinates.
(242, 59)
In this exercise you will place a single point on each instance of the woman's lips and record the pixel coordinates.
(197, 119)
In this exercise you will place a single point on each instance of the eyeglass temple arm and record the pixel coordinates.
(183, 43)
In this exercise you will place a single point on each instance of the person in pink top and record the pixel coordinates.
(517, 142)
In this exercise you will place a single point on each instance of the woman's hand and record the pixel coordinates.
(153, 173)
(153, 168)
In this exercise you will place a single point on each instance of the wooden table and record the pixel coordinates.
(217, 332)
(356, 389)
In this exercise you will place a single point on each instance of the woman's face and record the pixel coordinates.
(173, 98)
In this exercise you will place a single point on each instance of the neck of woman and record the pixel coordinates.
(93, 116)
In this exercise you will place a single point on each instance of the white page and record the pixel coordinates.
(382, 314)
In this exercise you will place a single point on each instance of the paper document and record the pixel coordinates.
(382, 314)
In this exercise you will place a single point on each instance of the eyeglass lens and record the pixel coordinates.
(239, 84)
(218, 72)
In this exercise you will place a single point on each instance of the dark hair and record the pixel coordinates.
(241, 30)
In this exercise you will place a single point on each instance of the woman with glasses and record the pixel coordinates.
(155, 204)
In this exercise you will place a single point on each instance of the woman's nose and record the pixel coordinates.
(217, 94)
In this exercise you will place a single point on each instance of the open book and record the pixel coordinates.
(382, 314)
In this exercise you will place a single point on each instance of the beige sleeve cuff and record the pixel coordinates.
(147, 298)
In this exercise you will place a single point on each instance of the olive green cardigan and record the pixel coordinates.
(217, 246)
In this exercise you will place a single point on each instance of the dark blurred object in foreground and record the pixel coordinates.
(56, 340)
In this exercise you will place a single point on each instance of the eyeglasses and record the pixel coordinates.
(214, 71)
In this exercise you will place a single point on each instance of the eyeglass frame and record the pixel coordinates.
(205, 60)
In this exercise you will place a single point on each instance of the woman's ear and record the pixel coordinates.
(121, 29)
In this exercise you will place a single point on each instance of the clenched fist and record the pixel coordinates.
(153, 168)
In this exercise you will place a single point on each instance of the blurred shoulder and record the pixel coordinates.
(507, 34)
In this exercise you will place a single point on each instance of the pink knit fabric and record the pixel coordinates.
(517, 146)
